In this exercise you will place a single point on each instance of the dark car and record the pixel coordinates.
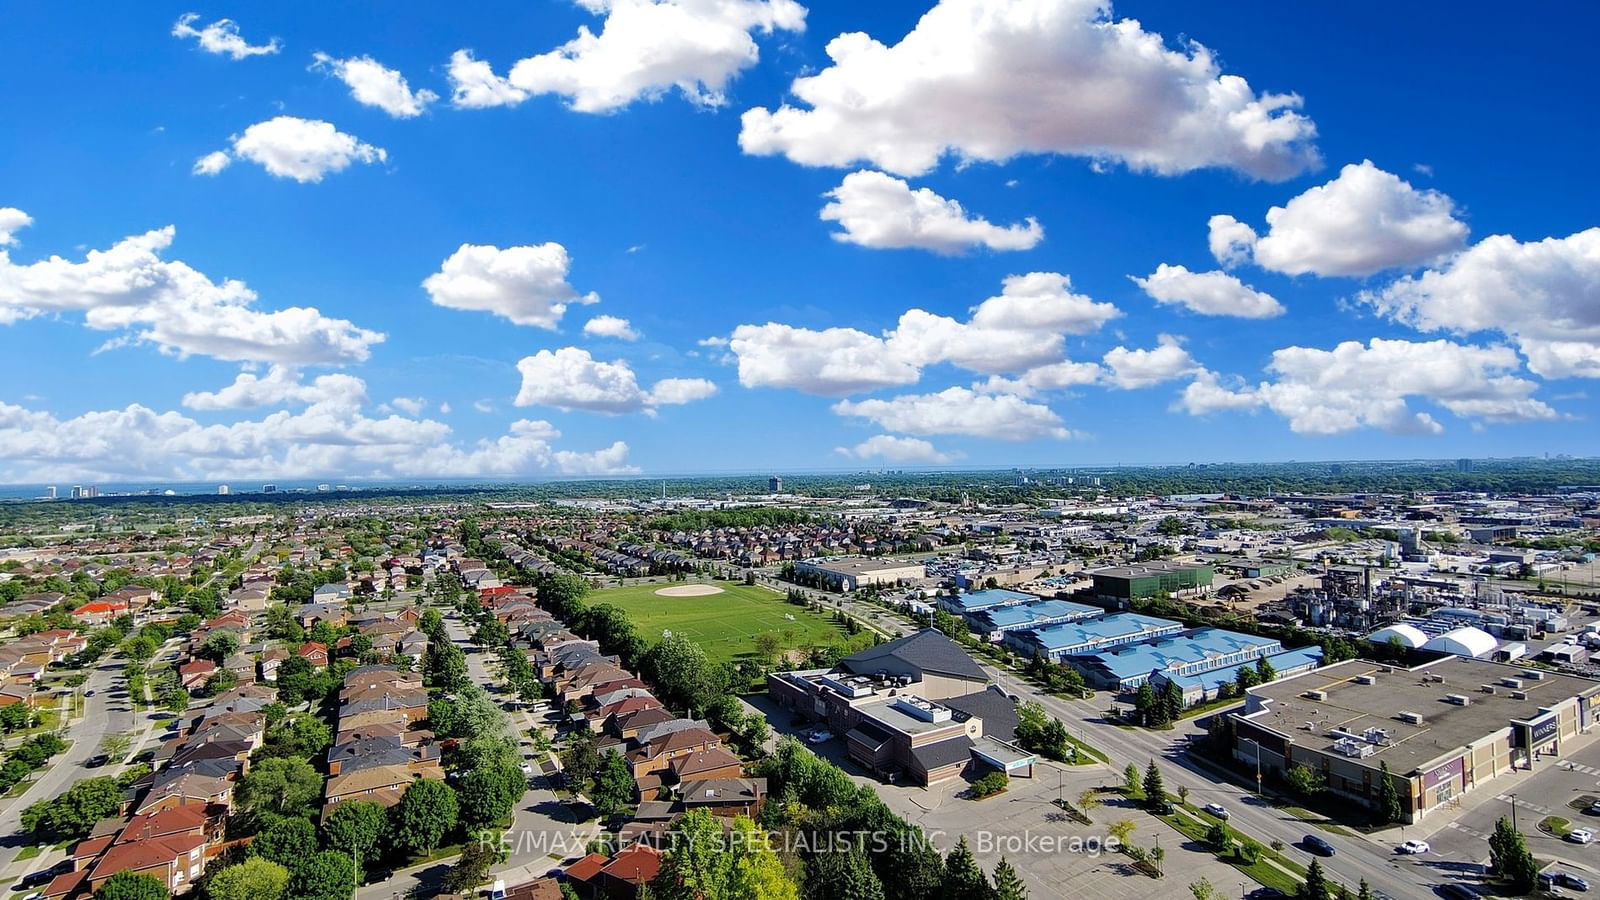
(1267, 893)
(45, 876)
(96, 762)
(1456, 892)
(1318, 845)
(1564, 879)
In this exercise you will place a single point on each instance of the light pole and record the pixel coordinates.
(1513, 811)
(1257, 745)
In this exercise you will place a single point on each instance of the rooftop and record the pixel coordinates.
(861, 565)
(1172, 652)
(1039, 610)
(1120, 625)
(1140, 570)
(992, 597)
(927, 650)
(1355, 707)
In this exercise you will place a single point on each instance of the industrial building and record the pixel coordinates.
(1202, 686)
(1444, 728)
(1142, 580)
(1056, 642)
(978, 601)
(847, 573)
(1126, 668)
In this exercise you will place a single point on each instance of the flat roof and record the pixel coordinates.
(1281, 662)
(1068, 634)
(861, 565)
(1446, 727)
(1148, 569)
(991, 597)
(883, 713)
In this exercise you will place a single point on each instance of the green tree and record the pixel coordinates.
(1264, 670)
(1172, 701)
(132, 886)
(1007, 883)
(74, 812)
(697, 865)
(115, 746)
(328, 875)
(1510, 857)
(1130, 780)
(613, 785)
(422, 818)
(1203, 890)
(755, 872)
(356, 828)
(1155, 791)
(488, 793)
(218, 646)
(286, 840)
(285, 786)
(682, 673)
(478, 858)
(1316, 883)
(1364, 892)
(1305, 781)
(1389, 809)
(963, 878)
(1218, 838)
(254, 879)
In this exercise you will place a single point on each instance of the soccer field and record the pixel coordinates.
(724, 624)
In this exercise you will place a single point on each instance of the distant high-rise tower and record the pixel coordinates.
(224, 490)
(774, 485)
(91, 491)
(269, 489)
(76, 492)
(1463, 465)
(50, 492)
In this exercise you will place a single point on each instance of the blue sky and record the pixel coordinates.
(1371, 320)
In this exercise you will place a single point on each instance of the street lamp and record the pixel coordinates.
(1513, 798)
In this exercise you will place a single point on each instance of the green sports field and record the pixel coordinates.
(724, 624)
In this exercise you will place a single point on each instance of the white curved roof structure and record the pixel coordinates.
(1409, 635)
(1472, 642)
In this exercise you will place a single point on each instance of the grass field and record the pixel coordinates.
(724, 624)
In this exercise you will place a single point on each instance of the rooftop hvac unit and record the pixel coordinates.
(1511, 682)
(1434, 677)
(1487, 689)
(1386, 669)
(1411, 717)
(1457, 699)
(1365, 679)
(1375, 736)
(1519, 695)
(1533, 674)
(1318, 696)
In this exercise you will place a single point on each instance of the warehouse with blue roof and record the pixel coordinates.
(1125, 668)
(1038, 614)
(1056, 642)
(1202, 686)
(978, 601)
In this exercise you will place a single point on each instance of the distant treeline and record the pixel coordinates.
(755, 517)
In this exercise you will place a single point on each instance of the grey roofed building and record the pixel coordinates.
(998, 713)
(655, 732)
(927, 650)
(943, 753)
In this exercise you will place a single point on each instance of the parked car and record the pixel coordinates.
(1580, 836)
(1318, 845)
(819, 736)
(95, 762)
(1594, 808)
(1456, 892)
(1414, 847)
(1215, 809)
(1563, 879)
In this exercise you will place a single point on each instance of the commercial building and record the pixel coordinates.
(1038, 614)
(978, 601)
(917, 708)
(1206, 649)
(1056, 642)
(1135, 582)
(1198, 687)
(847, 573)
(1444, 728)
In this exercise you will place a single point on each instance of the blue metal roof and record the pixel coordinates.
(1120, 625)
(1142, 659)
(990, 598)
(1024, 614)
(1286, 662)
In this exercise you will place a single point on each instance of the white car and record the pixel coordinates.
(1215, 809)
(1415, 847)
(1580, 836)
(819, 737)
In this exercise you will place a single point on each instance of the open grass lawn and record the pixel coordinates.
(724, 624)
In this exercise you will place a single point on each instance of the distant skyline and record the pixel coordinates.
(303, 243)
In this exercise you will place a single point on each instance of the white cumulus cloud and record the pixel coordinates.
(374, 84)
(1139, 368)
(1358, 385)
(527, 285)
(1208, 293)
(1364, 221)
(569, 378)
(290, 147)
(1545, 295)
(893, 448)
(221, 37)
(12, 220)
(959, 410)
(280, 386)
(610, 327)
(884, 212)
(991, 79)
(644, 49)
(130, 288)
